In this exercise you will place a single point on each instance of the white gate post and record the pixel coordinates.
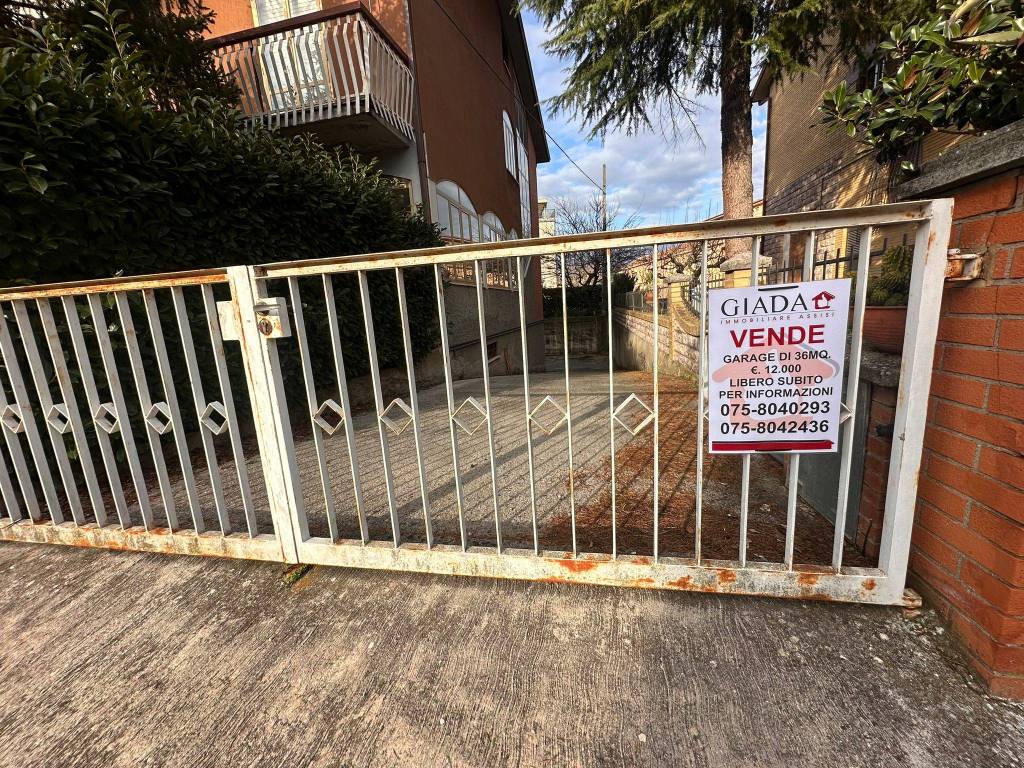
(270, 413)
(923, 310)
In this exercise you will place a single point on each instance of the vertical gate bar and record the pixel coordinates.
(755, 279)
(414, 404)
(378, 398)
(163, 364)
(270, 413)
(67, 392)
(93, 402)
(611, 396)
(487, 399)
(698, 492)
(657, 415)
(131, 341)
(926, 285)
(200, 403)
(852, 384)
(346, 406)
(110, 368)
(793, 475)
(442, 319)
(21, 472)
(45, 398)
(568, 408)
(526, 398)
(312, 405)
(228, 400)
(10, 498)
(19, 394)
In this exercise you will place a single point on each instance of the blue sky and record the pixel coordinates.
(664, 180)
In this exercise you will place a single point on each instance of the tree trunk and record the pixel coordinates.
(737, 137)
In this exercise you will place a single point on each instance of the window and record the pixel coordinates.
(456, 215)
(460, 223)
(523, 163)
(510, 144)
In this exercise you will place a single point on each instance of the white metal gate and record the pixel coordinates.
(90, 365)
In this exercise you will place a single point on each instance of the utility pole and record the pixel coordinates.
(604, 197)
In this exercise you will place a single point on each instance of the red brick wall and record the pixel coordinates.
(967, 552)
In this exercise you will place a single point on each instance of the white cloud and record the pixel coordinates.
(665, 180)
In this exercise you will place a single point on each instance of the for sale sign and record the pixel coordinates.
(775, 366)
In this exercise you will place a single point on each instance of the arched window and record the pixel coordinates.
(491, 228)
(456, 215)
(460, 223)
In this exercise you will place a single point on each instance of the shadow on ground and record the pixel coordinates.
(124, 659)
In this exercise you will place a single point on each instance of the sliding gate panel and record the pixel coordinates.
(393, 479)
(305, 412)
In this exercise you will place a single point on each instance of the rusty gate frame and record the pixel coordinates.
(246, 317)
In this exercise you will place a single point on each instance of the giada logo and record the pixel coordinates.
(775, 303)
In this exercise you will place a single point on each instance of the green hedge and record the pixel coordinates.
(96, 179)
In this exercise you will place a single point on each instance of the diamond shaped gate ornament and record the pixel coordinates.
(12, 419)
(329, 417)
(544, 422)
(470, 416)
(397, 416)
(633, 414)
(106, 419)
(215, 418)
(59, 418)
(158, 418)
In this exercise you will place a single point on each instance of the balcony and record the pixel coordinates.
(336, 73)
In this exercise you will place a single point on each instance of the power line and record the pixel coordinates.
(512, 91)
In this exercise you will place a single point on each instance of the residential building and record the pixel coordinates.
(440, 92)
(807, 166)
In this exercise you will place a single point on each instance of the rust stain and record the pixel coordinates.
(807, 579)
(868, 585)
(646, 581)
(578, 566)
(727, 576)
(683, 582)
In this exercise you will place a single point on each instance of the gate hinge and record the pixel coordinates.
(271, 319)
(961, 267)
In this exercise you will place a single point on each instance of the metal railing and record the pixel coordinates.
(319, 66)
(99, 401)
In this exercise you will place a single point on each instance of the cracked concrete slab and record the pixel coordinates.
(125, 659)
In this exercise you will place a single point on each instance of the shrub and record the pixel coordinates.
(960, 71)
(97, 178)
(891, 287)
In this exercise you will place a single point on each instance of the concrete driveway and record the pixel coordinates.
(124, 659)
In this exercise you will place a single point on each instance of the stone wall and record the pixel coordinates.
(679, 349)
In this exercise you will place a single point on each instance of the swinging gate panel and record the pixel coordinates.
(192, 361)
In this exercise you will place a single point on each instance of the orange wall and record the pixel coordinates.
(236, 15)
(231, 16)
(461, 97)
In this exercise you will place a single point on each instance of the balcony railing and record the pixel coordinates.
(319, 66)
